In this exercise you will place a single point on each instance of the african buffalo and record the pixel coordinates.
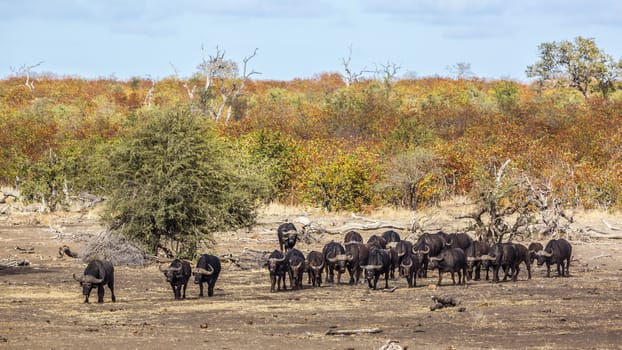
(178, 274)
(474, 254)
(557, 251)
(459, 240)
(97, 273)
(451, 260)
(278, 266)
(391, 237)
(335, 258)
(409, 267)
(378, 263)
(357, 255)
(207, 271)
(429, 245)
(524, 257)
(315, 265)
(351, 237)
(502, 256)
(404, 249)
(287, 235)
(375, 241)
(296, 260)
(534, 248)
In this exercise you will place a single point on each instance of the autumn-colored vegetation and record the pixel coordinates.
(409, 142)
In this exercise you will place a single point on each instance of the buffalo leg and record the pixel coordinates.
(210, 288)
(201, 290)
(528, 271)
(185, 285)
(453, 277)
(568, 267)
(548, 269)
(100, 293)
(111, 287)
(440, 278)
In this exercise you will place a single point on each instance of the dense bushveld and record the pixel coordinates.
(408, 143)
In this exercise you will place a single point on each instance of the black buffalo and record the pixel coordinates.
(409, 267)
(429, 245)
(451, 260)
(315, 265)
(557, 251)
(375, 241)
(351, 237)
(474, 254)
(391, 237)
(502, 256)
(357, 255)
(336, 259)
(207, 271)
(97, 273)
(524, 257)
(404, 249)
(459, 240)
(296, 260)
(378, 263)
(178, 274)
(287, 235)
(278, 266)
(534, 248)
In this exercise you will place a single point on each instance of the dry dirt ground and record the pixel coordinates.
(41, 306)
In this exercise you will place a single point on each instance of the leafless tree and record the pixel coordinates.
(350, 76)
(217, 68)
(460, 70)
(26, 71)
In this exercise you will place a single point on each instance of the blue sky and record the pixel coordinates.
(295, 38)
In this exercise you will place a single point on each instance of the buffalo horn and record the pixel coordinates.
(276, 259)
(487, 257)
(350, 257)
(318, 267)
(81, 279)
(424, 252)
(92, 279)
(340, 257)
(435, 258)
(204, 271)
(391, 244)
(407, 266)
(470, 258)
(545, 253)
(372, 267)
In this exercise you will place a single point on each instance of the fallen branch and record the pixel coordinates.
(365, 227)
(389, 290)
(601, 256)
(611, 227)
(25, 250)
(353, 331)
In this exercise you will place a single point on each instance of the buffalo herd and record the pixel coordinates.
(456, 254)
(382, 255)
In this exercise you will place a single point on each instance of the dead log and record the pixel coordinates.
(353, 331)
(25, 250)
(611, 227)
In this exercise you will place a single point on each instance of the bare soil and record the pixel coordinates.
(41, 306)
